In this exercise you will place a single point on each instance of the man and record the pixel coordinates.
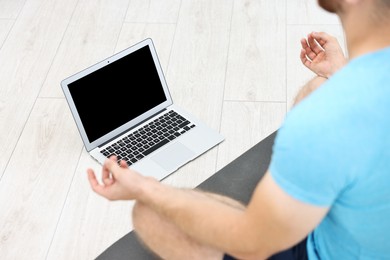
(325, 195)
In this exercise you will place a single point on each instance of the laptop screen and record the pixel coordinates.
(117, 93)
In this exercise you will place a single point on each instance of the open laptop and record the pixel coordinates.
(122, 106)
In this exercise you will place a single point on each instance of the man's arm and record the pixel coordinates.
(322, 54)
(308, 88)
(273, 220)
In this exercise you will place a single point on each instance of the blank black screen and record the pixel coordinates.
(117, 93)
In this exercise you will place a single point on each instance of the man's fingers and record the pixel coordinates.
(92, 178)
(314, 45)
(107, 178)
(123, 164)
(113, 167)
(321, 37)
(309, 52)
(113, 158)
(96, 187)
(304, 58)
(108, 181)
(105, 175)
(322, 43)
(304, 43)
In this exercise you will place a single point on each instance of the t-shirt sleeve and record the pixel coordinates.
(306, 161)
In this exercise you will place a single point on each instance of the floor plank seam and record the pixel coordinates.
(151, 23)
(255, 101)
(51, 98)
(224, 83)
(58, 47)
(174, 36)
(120, 31)
(313, 24)
(63, 204)
(20, 134)
(8, 33)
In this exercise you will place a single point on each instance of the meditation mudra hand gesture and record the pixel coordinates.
(119, 182)
(322, 54)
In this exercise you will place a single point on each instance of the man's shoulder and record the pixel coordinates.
(362, 83)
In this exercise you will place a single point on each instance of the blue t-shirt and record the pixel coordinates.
(334, 150)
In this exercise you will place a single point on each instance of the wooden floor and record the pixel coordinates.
(233, 63)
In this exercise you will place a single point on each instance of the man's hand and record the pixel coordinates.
(322, 54)
(119, 182)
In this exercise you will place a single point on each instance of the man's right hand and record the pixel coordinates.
(322, 54)
(119, 182)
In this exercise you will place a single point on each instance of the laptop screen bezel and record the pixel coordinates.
(125, 127)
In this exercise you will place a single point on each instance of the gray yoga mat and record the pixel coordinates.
(238, 179)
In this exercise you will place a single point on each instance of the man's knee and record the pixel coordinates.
(308, 88)
(141, 216)
(159, 235)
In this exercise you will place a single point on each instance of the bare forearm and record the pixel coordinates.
(208, 219)
(310, 87)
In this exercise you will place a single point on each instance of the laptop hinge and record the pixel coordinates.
(140, 123)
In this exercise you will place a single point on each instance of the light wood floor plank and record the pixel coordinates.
(196, 74)
(35, 184)
(308, 12)
(161, 34)
(198, 61)
(244, 124)
(10, 8)
(257, 56)
(91, 36)
(297, 73)
(89, 224)
(5, 27)
(153, 11)
(25, 59)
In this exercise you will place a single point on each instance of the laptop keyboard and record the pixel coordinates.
(149, 138)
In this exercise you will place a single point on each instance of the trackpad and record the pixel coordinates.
(173, 156)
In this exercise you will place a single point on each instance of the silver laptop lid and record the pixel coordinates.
(117, 93)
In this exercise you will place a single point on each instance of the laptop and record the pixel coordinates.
(122, 106)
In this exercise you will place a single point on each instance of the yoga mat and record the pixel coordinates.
(237, 180)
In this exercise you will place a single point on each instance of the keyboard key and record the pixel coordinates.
(155, 147)
(184, 124)
(133, 160)
(171, 137)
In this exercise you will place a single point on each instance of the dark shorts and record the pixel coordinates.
(297, 252)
